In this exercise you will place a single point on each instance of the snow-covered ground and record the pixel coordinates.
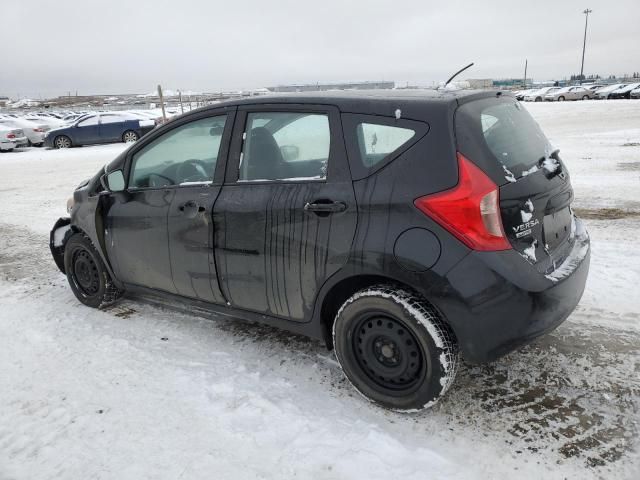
(139, 391)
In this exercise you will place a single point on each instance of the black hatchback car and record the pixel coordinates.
(401, 228)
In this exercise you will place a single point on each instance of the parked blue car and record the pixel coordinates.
(99, 128)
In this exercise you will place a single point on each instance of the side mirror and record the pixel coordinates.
(113, 182)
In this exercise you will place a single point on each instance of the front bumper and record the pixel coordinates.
(501, 302)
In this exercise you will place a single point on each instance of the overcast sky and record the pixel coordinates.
(129, 46)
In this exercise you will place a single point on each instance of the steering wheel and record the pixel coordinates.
(154, 183)
(191, 171)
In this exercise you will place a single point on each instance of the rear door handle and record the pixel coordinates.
(325, 207)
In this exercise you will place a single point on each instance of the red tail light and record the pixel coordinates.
(11, 135)
(470, 210)
(39, 130)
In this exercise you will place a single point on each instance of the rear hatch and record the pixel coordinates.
(499, 136)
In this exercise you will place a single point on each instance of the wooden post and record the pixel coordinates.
(180, 98)
(164, 115)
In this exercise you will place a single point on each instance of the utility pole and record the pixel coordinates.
(164, 115)
(584, 43)
(524, 82)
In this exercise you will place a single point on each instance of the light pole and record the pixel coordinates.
(584, 43)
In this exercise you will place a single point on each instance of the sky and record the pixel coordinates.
(51, 47)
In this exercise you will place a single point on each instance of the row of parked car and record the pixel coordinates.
(580, 92)
(68, 129)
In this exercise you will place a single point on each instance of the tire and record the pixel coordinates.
(561, 99)
(62, 141)
(538, 99)
(89, 279)
(585, 97)
(394, 348)
(129, 136)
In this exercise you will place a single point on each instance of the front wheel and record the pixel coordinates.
(585, 97)
(87, 275)
(394, 348)
(130, 136)
(561, 99)
(538, 99)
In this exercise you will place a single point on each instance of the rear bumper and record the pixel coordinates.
(7, 145)
(500, 302)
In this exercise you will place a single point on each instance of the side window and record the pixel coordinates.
(285, 146)
(377, 141)
(188, 153)
(89, 121)
(112, 119)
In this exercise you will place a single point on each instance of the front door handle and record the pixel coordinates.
(190, 209)
(325, 207)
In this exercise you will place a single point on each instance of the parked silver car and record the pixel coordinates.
(34, 131)
(569, 93)
(538, 95)
(604, 92)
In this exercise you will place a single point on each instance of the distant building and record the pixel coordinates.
(507, 82)
(4, 101)
(317, 87)
(479, 83)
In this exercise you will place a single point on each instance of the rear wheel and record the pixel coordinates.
(561, 99)
(86, 273)
(538, 99)
(585, 97)
(130, 136)
(62, 141)
(394, 348)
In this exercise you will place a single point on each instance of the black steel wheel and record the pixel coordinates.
(84, 272)
(89, 279)
(395, 348)
(388, 352)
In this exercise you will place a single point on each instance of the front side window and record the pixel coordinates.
(186, 154)
(377, 141)
(89, 121)
(285, 146)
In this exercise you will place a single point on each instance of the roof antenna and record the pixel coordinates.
(458, 73)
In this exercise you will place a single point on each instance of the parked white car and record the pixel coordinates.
(538, 95)
(34, 131)
(604, 92)
(568, 93)
(47, 120)
(635, 93)
(11, 138)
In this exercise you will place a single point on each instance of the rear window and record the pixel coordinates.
(374, 141)
(377, 141)
(500, 133)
